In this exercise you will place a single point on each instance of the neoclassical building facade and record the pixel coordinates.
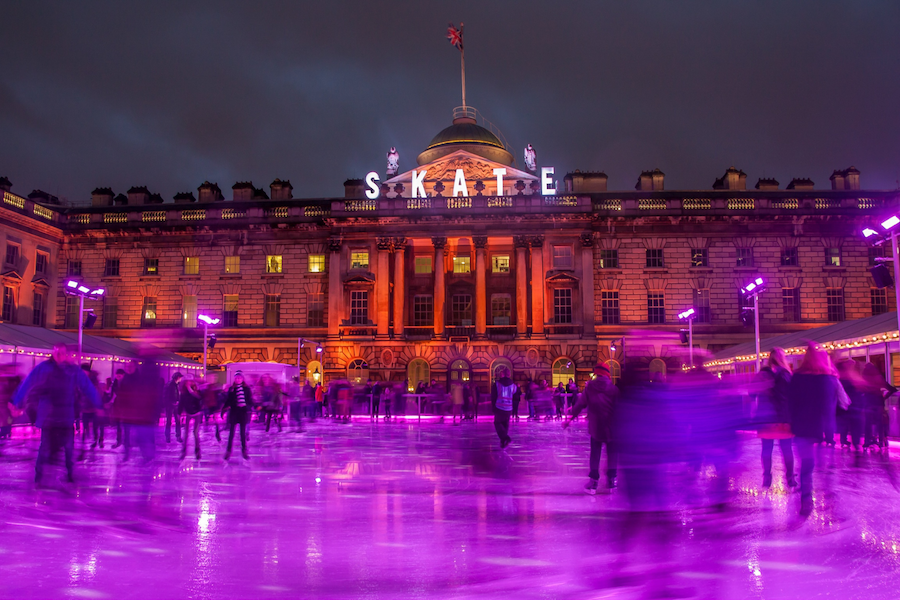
(448, 270)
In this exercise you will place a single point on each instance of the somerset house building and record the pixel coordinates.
(449, 269)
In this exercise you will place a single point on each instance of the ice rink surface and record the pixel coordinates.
(410, 510)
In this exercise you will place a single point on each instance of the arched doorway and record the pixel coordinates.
(460, 371)
(314, 372)
(497, 365)
(658, 370)
(615, 370)
(563, 370)
(418, 371)
(358, 371)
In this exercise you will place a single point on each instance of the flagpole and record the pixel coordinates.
(462, 55)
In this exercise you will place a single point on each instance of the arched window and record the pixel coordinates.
(658, 370)
(615, 370)
(500, 363)
(358, 371)
(459, 371)
(314, 373)
(563, 370)
(418, 371)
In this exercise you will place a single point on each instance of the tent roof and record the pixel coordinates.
(40, 339)
(846, 330)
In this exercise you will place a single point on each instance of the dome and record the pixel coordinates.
(466, 134)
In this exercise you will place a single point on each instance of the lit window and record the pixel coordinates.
(359, 307)
(358, 371)
(423, 265)
(230, 310)
(148, 312)
(272, 310)
(699, 257)
(418, 371)
(232, 264)
(359, 259)
(562, 257)
(423, 311)
(316, 263)
(189, 311)
(501, 309)
(832, 258)
(562, 371)
(273, 263)
(191, 265)
(151, 266)
(462, 264)
(500, 263)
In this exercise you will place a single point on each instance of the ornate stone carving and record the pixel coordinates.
(399, 244)
(473, 169)
(439, 242)
(479, 241)
(520, 241)
(535, 187)
(479, 187)
(587, 240)
(385, 244)
(536, 241)
(398, 189)
(520, 186)
(438, 188)
(393, 162)
(334, 244)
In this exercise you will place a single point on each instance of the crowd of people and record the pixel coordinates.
(646, 426)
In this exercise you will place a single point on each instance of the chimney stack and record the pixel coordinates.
(241, 191)
(848, 179)
(804, 184)
(102, 197)
(5, 185)
(766, 184)
(138, 195)
(354, 188)
(587, 181)
(281, 190)
(210, 192)
(651, 181)
(733, 179)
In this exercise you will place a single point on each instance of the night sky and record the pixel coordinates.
(170, 95)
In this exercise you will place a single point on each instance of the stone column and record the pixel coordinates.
(399, 285)
(480, 241)
(335, 288)
(521, 244)
(587, 284)
(439, 243)
(537, 285)
(383, 288)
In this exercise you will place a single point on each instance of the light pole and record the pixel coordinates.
(689, 315)
(754, 289)
(890, 228)
(74, 288)
(207, 321)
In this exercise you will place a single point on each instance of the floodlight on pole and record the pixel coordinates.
(754, 289)
(689, 315)
(890, 228)
(207, 321)
(76, 288)
(867, 232)
(890, 223)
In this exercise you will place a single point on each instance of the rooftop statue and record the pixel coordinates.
(393, 162)
(530, 159)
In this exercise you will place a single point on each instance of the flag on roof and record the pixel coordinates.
(455, 36)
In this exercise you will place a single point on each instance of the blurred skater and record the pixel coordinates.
(191, 406)
(239, 404)
(171, 397)
(774, 416)
(599, 397)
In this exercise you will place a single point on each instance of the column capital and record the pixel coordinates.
(385, 244)
(587, 240)
(480, 241)
(520, 241)
(399, 243)
(439, 242)
(536, 241)
(334, 244)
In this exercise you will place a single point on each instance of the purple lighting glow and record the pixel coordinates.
(890, 223)
(208, 320)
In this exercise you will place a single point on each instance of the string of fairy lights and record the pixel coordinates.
(836, 345)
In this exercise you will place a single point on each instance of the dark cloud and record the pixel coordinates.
(170, 95)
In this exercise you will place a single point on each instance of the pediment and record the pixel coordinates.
(40, 281)
(11, 274)
(561, 278)
(475, 168)
(360, 278)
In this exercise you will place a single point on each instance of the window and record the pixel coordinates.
(609, 307)
(37, 314)
(359, 259)
(501, 309)
(562, 305)
(315, 309)
(832, 257)
(655, 258)
(71, 315)
(272, 315)
(658, 370)
(790, 257)
(461, 310)
(191, 265)
(148, 314)
(699, 257)
(232, 264)
(359, 307)
(835, 298)
(418, 371)
(875, 252)
(230, 309)
(790, 304)
(744, 257)
(701, 306)
(609, 259)
(459, 371)
(40, 262)
(73, 268)
(314, 372)
(189, 311)
(615, 370)
(656, 308)
(879, 301)
(423, 311)
(111, 267)
(358, 371)
(500, 263)
(9, 304)
(462, 264)
(110, 312)
(273, 263)
(423, 265)
(316, 263)
(562, 257)
(563, 369)
(12, 254)
(151, 266)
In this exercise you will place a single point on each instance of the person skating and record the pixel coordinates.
(239, 404)
(171, 397)
(192, 408)
(599, 397)
(54, 384)
(774, 417)
(502, 402)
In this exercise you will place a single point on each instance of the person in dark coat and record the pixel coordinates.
(599, 398)
(502, 393)
(137, 405)
(55, 385)
(191, 406)
(774, 416)
(171, 397)
(813, 395)
(239, 404)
